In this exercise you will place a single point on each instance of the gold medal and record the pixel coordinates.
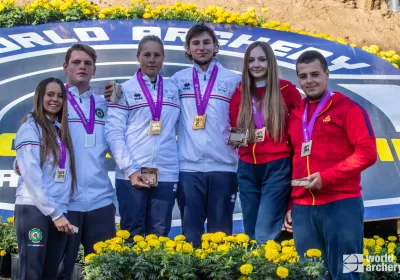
(155, 127)
(60, 175)
(306, 148)
(199, 122)
(260, 135)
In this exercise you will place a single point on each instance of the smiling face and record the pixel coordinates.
(52, 100)
(151, 58)
(313, 79)
(80, 68)
(258, 64)
(202, 48)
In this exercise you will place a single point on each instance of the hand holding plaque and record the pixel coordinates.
(116, 92)
(150, 175)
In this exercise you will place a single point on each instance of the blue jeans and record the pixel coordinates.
(264, 196)
(336, 229)
(207, 195)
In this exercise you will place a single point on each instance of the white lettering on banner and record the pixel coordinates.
(223, 35)
(10, 177)
(26, 39)
(8, 46)
(138, 32)
(98, 32)
(173, 33)
(280, 47)
(56, 38)
(289, 50)
(295, 56)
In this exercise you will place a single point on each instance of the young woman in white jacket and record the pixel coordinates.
(140, 130)
(46, 162)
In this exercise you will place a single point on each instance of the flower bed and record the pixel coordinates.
(44, 11)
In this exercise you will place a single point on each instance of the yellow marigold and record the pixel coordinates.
(264, 10)
(205, 245)
(242, 238)
(170, 244)
(390, 251)
(198, 253)
(313, 253)
(179, 247)
(102, 16)
(147, 15)
(163, 239)
(203, 255)
(187, 248)
(380, 242)
(124, 234)
(115, 247)
(256, 252)
(206, 237)
(230, 238)
(117, 240)
(223, 249)
(365, 252)
(366, 262)
(371, 243)
(391, 245)
(138, 238)
(287, 250)
(392, 238)
(125, 248)
(89, 257)
(395, 65)
(143, 245)
(272, 254)
(218, 237)
(271, 244)
(179, 238)
(246, 269)
(3, 253)
(378, 250)
(291, 242)
(154, 243)
(10, 220)
(150, 237)
(282, 272)
(285, 243)
(98, 247)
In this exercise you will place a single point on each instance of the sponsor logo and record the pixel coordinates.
(327, 119)
(353, 263)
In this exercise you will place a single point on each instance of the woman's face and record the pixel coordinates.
(151, 58)
(53, 99)
(258, 64)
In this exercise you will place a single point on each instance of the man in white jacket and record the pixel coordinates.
(207, 180)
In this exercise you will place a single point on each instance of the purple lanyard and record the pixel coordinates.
(87, 124)
(63, 153)
(154, 108)
(258, 115)
(201, 104)
(307, 129)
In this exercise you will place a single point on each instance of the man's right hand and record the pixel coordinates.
(64, 225)
(288, 221)
(108, 89)
(138, 180)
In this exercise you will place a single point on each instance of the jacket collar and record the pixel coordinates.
(334, 99)
(75, 92)
(209, 69)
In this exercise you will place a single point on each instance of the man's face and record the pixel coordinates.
(313, 79)
(202, 48)
(80, 68)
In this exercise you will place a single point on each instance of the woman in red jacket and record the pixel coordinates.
(261, 105)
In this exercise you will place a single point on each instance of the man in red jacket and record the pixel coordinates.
(333, 142)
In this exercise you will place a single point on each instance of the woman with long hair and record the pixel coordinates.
(140, 130)
(46, 163)
(261, 105)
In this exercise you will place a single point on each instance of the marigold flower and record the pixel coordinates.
(246, 269)
(365, 252)
(170, 244)
(150, 237)
(272, 254)
(89, 257)
(391, 238)
(154, 243)
(179, 238)
(187, 248)
(222, 249)
(124, 234)
(3, 253)
(10, 220)
(380, 242)
(242, 238)
(282, 272)
(313, 253)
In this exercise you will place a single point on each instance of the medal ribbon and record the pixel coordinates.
(201, 104)
(154, 108)
(87, 124)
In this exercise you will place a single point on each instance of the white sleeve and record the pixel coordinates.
(174, 79)
(27, 144)
(116, 125)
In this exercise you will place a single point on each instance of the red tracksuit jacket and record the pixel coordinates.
(343, 145)
(267, 151)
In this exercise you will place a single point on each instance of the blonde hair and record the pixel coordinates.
(275, 111)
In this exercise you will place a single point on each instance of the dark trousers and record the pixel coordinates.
(146, 210)
(94, 226)
(336, 229)
(40, 244)
(207, 195)
(264, 196)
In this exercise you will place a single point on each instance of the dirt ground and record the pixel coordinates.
(364, 22)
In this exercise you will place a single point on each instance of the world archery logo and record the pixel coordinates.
(35, 235)
(99, 113)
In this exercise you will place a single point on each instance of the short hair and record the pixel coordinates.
(311, 56)
(196, 30)
(81, 47)
(150, 38)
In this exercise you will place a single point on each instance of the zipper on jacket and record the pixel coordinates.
(254, 153)
(308, 174)
(80, 100)
(205, 77)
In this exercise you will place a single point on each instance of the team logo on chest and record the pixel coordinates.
(99, 113)
(137, 96)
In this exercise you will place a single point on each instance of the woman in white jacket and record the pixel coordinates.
(140, 130)
(46, 162)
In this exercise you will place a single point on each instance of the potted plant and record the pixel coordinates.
(8, 245)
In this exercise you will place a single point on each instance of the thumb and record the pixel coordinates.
(312, 176)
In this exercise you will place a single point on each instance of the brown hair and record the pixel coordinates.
(196, 30)
(81, 47)
(149, 38)
(310, 56)
(48, 137)
(275, 111)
